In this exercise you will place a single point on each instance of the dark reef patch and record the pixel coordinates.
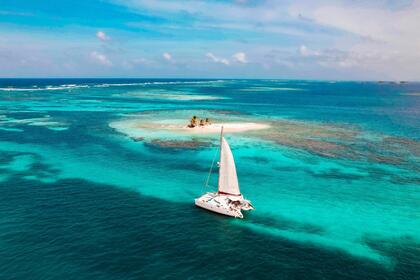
(178, 144)
(257, 159)
(335, 173)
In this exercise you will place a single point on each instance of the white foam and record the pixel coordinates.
(49, 87)
(75, 86)
(170, 96)
(158, 83)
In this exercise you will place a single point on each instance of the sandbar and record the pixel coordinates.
(231, 127)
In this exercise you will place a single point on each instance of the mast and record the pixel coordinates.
(221, 138)
(220, 158)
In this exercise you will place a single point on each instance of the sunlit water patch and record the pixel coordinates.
(168, 95)
(10, 123)
(269, 89)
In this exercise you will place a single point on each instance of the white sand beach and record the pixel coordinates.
(233, 127)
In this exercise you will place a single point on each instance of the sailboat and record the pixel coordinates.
(228, 199)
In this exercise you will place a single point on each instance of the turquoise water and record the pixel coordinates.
(94, 185)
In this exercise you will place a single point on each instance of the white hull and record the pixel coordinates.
(221, 204)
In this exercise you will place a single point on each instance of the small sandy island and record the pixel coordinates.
(214, 128)
(178, 129)
(232, 127)
(177, 135)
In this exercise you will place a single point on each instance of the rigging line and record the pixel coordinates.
(211, 168)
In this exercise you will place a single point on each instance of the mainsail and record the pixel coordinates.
(228, 180)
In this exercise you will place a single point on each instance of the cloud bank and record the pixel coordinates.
(271, 38)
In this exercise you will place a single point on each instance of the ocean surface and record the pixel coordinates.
(94, 186)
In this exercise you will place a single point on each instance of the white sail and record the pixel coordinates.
(228, 180)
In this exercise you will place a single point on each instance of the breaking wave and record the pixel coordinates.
(50, 87)
(158, 83)
(76, 86)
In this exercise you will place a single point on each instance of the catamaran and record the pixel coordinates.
(228, 199)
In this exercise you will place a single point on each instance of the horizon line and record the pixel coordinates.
(203, 78)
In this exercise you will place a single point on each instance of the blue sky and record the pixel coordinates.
(346, 40)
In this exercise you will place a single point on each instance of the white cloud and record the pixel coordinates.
(335, 58)
(217, 59)
(380, 38)
(102, 36)
(304, 51)
(100, 58)
(167, 56)
(377, 23)
(376, 36)
(384, 32)
(240, 57)
(269, 10)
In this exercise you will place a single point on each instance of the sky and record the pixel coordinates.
(303, 39)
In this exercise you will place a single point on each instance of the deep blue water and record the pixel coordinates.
(87, 191)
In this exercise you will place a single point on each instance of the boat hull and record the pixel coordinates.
(216, 203)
